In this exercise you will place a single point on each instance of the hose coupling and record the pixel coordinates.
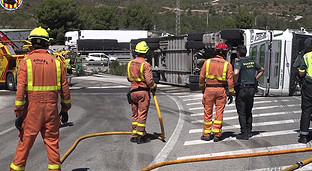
(300, 164)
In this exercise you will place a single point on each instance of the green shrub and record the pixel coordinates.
(116, 69)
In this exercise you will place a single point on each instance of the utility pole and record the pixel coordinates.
(177, 10)
(207, 19)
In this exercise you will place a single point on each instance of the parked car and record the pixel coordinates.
(98, 57)
(112, 58)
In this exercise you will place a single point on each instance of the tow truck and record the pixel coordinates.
(9, 60)
(9, 63)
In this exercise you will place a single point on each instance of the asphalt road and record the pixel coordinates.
(99, 105)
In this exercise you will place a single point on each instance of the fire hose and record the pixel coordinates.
(179, 161)
(298, 164)
(162, 137)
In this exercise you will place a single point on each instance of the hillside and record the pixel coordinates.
(163, 11)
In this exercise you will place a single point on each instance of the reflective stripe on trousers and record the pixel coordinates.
(213, 96)
(139, 108)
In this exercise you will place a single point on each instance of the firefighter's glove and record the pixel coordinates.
(154, 89)
(230, 99)
(64, 116)
(19, 122)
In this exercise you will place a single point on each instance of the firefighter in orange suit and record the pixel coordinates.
(139, 73)
(217, 73)
(40, 79)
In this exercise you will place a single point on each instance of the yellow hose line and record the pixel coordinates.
(169, 162)
(88, 136)
(298, 164)
(162, 137)
(159, 116)
(93, 135)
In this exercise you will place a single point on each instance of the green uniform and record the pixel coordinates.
(247, 69)
(245, 92)
(78, 64)
(306, 97)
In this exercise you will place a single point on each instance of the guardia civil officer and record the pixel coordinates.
(305, 71)
(299, 60)
(245, 73)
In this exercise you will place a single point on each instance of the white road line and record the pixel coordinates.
(102, 87)
(200, 97)
(6, 131)
(191, 95)
(307, 167)
(253, 125)
(195, 98)
(252, 150)
(255, 108)
(163, 85)
(171, 88)
(258, 102)
(162, 155)
(253, 115)
(176, 94)
(264, 134)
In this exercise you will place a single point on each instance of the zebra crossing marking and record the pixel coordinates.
(262, 134)
(253, 115)
(253, 125)
(255, 108)
(250, 150)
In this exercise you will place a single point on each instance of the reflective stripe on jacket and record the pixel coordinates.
(40, 78)
(308, 62)
(217, 71)
(139, 73)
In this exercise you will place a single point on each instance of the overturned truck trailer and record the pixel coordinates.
(177, 60)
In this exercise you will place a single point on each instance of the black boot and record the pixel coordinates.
(143, 139)
(205, 138)
(217, 139)
(249, 134)
(242, 136)
(303, 139)
(134, 139)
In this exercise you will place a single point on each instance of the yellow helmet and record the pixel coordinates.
(39, 33)
(141, 47)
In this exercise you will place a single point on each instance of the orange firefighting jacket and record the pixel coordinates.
(40, 79)
(217, 71)
(139, 73)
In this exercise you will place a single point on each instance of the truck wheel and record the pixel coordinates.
(153, 45)
(194, 86)
(195, 45)
(194, 78)
(156, 76)
(10, 83)
(195, 36)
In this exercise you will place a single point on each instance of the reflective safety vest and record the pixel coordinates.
(142, 78)
(308, 61)
(31, 87)
(67, 61)
(220, 78)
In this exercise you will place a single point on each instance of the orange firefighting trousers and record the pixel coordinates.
(41, 117)
(140, 106)
(217, 96)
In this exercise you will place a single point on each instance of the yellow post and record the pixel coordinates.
(159, 116)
